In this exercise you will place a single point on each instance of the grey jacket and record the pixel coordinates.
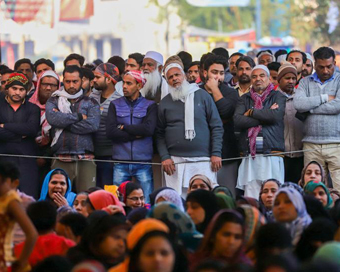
(77, 134)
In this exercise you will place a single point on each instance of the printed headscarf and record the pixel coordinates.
(171, 196)
(108, 70)
(312, 185)
(138, 76)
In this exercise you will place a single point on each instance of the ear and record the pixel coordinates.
(160, 68)
(139, 86)
(15, 183)
(205, 73)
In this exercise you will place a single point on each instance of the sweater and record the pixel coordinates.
(170, 130)
(322, 125)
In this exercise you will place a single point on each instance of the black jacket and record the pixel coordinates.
(270, 120)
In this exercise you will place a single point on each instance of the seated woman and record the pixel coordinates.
(79, 203)
(132, 195)
(268, 190)
(320, 192)
(290, 209)
(200, 182)
(312, 171)
(170, 195)
(103, 200)
(57, 188)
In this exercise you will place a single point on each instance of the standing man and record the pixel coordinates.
(233, 69)
(134, 62)
(74, 118)
(193, 71)
(308, 67)
(26, 67)
(87, 81)
(318, 97)
(19, 125)
(74, 59)
(3, 79)
(298, 59)
(189, 129)
(244, 67)
(265, 57)
(131, 124)
(259, 116)
(105, 79)
(42, 65)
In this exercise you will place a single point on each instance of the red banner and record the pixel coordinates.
(71, 10)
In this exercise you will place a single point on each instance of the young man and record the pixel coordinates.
(298, 59)
(232, 68)
(87, 81)
(273, 70)
(308, 66)
(4, 76)
(244, 67)
(42, 65)
(134, 62)
(130, 125)
(74, 59)
(26, 67)
(193, 71)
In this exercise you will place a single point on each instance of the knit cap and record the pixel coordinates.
(17, 79)
(284, 69)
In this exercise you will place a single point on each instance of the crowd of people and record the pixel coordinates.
(229, 163)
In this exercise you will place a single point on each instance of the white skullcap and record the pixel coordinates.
(265, 53)
(173, 65)
(309, 56)
(281, 58)
(155, 56)
(263, 67)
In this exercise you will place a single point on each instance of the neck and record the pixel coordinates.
(134, 96)
(244, 86)
(108, 91)
(299, 76)
(11, 102)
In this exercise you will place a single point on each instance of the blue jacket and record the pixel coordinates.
(139, 117)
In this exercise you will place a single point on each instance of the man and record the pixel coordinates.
(26, 67)
(87, 81)
(265, 57)
(189, 129)
(244, 67)
(319, 99)
(74, 118)
(74, 59)
(232, 68)
(293, 131)
(4, 76)
(193, 71)
(259, 116)
(225, 99)
(273, 68)
(298, 59)
(105, 79)
(130, 125)
(19, 125)
(42, 65)
(134, 62)
(186, 59)
(119, 62)
(156, 88)
(308, 66)
(220, 51)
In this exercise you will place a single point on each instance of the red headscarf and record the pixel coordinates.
(101, 199)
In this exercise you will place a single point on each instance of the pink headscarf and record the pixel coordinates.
(138, 76)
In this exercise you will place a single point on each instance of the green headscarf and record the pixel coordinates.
(225, 201)
(312, 185)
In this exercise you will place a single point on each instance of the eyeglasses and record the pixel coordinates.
(135, 198)
(49, 84)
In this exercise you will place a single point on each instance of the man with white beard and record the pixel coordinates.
(156, 87)
(189, 131)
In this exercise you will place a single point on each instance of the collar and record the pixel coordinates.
(289, 96)
(237, 87)
(317, 79)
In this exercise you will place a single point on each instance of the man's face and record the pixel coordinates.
(287, 83)
(273, 77)
(130, 86)
(175, 77)
(265, 60)
(86, 84)
(26, 69)
(193, 73)
(72, 82)
(149, 65)
(73, 62)
(16, 94)
(259, 80)
(4, 78)
(99, 82)
(295, 59)
(42, 68)
(244, 72)
(232, 64)
(215, 71)
(48, 85)
(324, 68)
(307, 68)
(131, 64)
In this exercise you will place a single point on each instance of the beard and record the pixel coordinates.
(244, 79)
(180, 92)
(153, 81)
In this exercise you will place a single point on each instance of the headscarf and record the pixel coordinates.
(89, 266)
(138, 76)
(171, 196)
(122, 190)
(70, 196)
(101, 199)
(268, 213)
(153, 195)
(225, 201)
(258, 104)
(137, 215)
(293, 185)
(207, 200)
(312, 185)
(222, 189)
(185, 228)
(108, 70)
(302, 181)
(204, 178)
(329, 252)
(303, 219)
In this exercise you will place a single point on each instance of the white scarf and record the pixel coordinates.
(189, 113)
(64, 106)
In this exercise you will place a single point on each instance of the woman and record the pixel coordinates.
(223, 240)
(57, 188)
(172, 196)
(132, 194)
(222, 190)
(268, 190)
(290, 209)
(320, 192)
(103, 200)
(312, 171)
(200, 182)
(201, 206)
(79, 203)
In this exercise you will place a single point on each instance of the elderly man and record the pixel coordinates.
(189, 130)
(156, 87)
(259, 116)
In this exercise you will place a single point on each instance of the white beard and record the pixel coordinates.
(153, 81)
(180, 92)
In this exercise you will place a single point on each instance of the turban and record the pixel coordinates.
(108, 70)
(138, 76)
(17, 79)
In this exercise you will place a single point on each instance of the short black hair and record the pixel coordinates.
(193, 64)
(48, 62)
(43, 215)
(87, 73)
(22, 61)
(303, 54)
(324, 53)
(119, 62)
(3, 67)
(72, 69)
(221, 52)
(53, 264)
(76, 221)
(215, 59)
(236, 54)
(246, 59)
(274, 66)
(204, 58)
(138, 57)
(75, 56)
(280, 52)
(8, 170)
(186, 58)
(90, 66)
(262, 51)
(7, 71)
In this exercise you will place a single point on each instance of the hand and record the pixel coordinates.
(112, 209)
(247, 113)
(84, 116)
(274, 106)
(331, 97)
(60, 200)
(216, 163)
(212, 84)
(2, 125)
(169, 166)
